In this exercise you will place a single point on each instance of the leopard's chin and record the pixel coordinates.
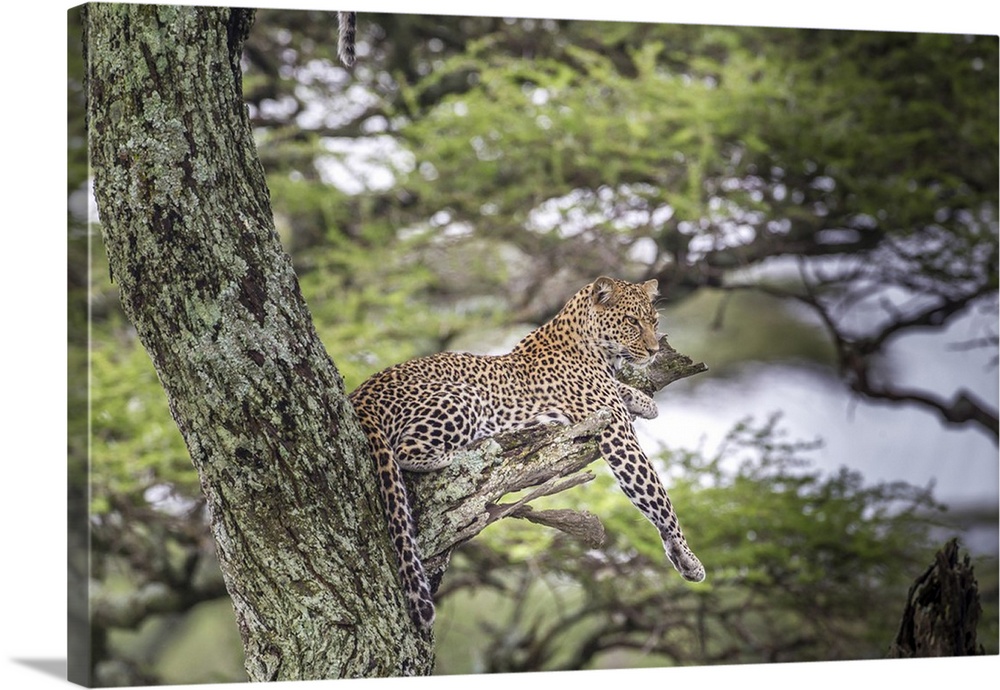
(639, 360)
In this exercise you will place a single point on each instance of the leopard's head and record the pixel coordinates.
(626, 320)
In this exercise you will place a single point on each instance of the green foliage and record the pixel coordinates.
(371, 306)
(798, 527)
(801, 565)
(528, 133)
(756, 140)
(135, 441)
(182, 660)
(210, 625)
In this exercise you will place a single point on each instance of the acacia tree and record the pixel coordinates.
(214, 300)
(283, 466)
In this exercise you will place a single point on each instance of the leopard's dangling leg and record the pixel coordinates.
(638, 479)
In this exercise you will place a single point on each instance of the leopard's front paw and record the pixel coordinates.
(684, 560)
(638, 403)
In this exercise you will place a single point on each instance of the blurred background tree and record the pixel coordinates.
(804, 197)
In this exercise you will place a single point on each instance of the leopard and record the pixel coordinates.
(415, 413)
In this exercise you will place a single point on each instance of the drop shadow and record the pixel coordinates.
(50, 667)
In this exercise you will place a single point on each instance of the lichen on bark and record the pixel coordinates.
(202, 276)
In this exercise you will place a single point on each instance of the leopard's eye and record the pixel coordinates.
(632, 320)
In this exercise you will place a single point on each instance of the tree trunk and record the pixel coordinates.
(300, 530)
(189, 233)
(942, 610)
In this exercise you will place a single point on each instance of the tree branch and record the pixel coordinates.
(668, 366)
(855, 354)
(964, 407)
(457, 503)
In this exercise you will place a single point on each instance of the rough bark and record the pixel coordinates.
(188, 229)
(187, 225)
(942, 610)
(668, 366)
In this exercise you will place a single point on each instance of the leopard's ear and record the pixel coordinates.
(652, 289)
(604, 291)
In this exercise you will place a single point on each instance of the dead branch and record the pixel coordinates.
(942, 610)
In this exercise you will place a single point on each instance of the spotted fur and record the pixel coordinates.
(416, 412)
